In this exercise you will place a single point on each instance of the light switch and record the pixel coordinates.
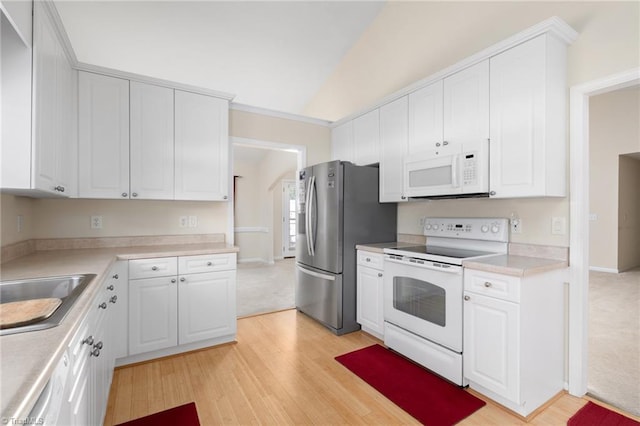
(559, 226)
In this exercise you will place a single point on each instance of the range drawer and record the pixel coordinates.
(151, 268)
(503, 287)
(372, 260)
(206, 263)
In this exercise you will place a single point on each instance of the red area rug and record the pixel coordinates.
(594, 414)
(431, 400)
(184, 415)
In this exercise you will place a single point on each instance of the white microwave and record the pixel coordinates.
(454, 170)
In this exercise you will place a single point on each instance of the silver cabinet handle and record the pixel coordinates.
(492, 193)
(98, 345)
(173, 280)
(183, 279)
(209, 264)
(111, 287)
(88, 341)
(487, 284)
(154, 268)
(437, 143)
(124, 194)
(380, 274)
(467, 298)
(103, 305)
(134, 194)
(224, 197)
(445, 143)
(113, 299)
(115, 277)
(59, 188)
(403, 197)
(368, 259)
(95, 352)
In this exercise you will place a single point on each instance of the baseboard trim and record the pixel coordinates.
(255, 259)
(608, 270)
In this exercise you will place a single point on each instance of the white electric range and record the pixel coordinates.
(423, 290)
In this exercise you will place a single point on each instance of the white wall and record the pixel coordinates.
(629, 213)
(10, 208)
(614, 129)
(410, 41)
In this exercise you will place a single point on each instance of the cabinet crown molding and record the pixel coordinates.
(554, 26)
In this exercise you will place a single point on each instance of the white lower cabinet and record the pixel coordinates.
(514, 337)
(180, 308)
(369, 305)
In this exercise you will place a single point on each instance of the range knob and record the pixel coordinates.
(427, 226)
(495, 228)
(435, 227)
(484, 228)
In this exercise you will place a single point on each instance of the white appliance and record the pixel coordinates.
(451, 170)
(423, 290)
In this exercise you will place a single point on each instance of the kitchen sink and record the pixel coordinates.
(66, 288)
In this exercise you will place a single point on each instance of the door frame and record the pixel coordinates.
(579, 220)
(299, 150)
(285, 233)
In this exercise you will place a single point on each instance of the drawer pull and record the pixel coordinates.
(113, 299)
(173, 280)
(115, 277)
(88, 341)
(380, 274)
(103, 305)
(154, 268)
(467, 298)
(183, 279)
(95, 352)
(487, 284)
(368, 259)
(98, 345)
(209, 264)
(111, 287)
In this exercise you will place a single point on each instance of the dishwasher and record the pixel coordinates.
(47, 408)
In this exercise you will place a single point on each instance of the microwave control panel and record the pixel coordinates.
(470, 169)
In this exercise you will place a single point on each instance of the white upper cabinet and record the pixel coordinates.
(342, 142)
(39, 138)
(528, 119)
(466, 105)
(366, 138)
(103, 136)
(394, 118)
(151, 150)
(425, 118)
(201, 147)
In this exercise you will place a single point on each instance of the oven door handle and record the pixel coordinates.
(442, 267)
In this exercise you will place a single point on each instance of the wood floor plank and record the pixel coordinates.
(281, 371)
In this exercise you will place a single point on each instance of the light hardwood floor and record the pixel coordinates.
(280, 371)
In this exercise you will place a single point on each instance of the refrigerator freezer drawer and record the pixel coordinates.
(319, 295)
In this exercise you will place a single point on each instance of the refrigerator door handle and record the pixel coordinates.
(312, 191)
(316, 274)
(307, 217)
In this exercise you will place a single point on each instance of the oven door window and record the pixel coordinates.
(420, 299)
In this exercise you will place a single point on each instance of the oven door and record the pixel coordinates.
(425, 299)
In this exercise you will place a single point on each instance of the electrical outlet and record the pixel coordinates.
(96, 222)
(184, 221)
(421, 221)
(516, 226)
(559, 225)
(593, 216)
(193, 221)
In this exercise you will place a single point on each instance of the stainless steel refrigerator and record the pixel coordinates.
(337, 208)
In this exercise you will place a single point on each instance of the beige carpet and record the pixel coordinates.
(265, 288)
(614, 339)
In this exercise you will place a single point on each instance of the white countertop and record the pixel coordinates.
(28, 359)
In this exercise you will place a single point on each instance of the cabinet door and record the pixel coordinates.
(342, 142)
(466, 105)
(425, 118)
(366, 138)
(394, 119)
(67, 159)
(152, 174)
(369, 312)
(153, 314)
(491, 344)
(46, 133)
(207, 306)
(201, 147)
(518, 120)
(103, 169)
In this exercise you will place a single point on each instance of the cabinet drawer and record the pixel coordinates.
(494, 285)
(206, 263)
(151, 268)
(372, 260)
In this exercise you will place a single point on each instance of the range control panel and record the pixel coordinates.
(486, 229)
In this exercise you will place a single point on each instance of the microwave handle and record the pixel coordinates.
(455, 160)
